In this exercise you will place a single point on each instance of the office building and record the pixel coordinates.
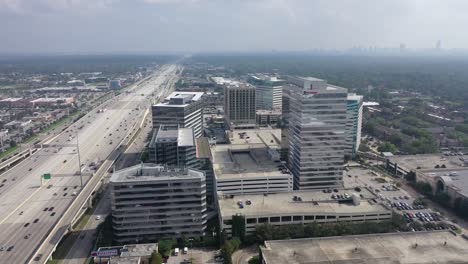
(353, 124)
(180, 109)
(250, 163)
(172, 146)
(239, 105)
(205, 164)
(268, 117)
(268, 91)
(403, 248)
(317, 132)
(150, 202)
(299, 207)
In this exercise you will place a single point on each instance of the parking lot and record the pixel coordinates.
(198, 256)
(415, 213)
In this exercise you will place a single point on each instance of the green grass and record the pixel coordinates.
(63, 247)
(8, 152)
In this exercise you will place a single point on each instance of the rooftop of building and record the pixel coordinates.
(12, 99)
(224, 81)
(427, 161)
(203, 148)
(251, 153)
(268, 112)
(308, 78)
(138, 250)
(181, 99)
(283, 203)
(151, 172)
(51, 99)
(355, 97)
(370, 249)
(455, 178)
(183, 136)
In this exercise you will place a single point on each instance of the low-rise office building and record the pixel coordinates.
(250, 163)
(151, 202)
(173, 146)
(127, 254)
(299, 207)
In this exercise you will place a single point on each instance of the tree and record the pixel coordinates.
(443, 166)
(387, 147)
(238, 226)
(156, 258)
(13, 143)
(411, 176)
(254, 260)
(165, 246)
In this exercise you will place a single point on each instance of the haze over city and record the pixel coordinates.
(158, 26)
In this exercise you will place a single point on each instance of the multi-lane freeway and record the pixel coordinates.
(31, 208)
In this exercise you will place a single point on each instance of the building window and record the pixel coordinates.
(274, 219)
(262, 220)
(251, 220)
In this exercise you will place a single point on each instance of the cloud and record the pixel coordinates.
(26, 7)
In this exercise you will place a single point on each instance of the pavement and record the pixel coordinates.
(243, 255)
(25, 223)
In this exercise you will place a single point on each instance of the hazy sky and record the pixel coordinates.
(96, 26)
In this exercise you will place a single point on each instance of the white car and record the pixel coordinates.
(98, 217)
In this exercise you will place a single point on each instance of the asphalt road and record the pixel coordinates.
(24, 220)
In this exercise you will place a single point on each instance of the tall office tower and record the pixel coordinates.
(268, 91)
(173, 146)
(239, 105)
(353, 123)
(317, 131)
(150, 202)
(180, 109)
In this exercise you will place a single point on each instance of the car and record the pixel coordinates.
(52, 214)
(74, 193)
(27, 236)
(66, 188)
(38, 257)
(98, 217)
(55, 194)
(30, 169)
(65, 194)
(10, 248)
(2, 248)
(4, 180)
(36, 220)
(26, 225)
(45, 209)
(64, 161)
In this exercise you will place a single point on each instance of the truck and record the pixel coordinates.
(176, 251)
(185, 250)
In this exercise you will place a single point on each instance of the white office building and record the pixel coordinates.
(317, 132)
(150, 202)
(180, 109)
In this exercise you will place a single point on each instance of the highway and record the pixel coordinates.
(31, 208)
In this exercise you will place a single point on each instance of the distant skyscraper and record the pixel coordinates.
(317, 133)
(438, 45)
(402, 47)
(239, 105)
(180, 109)
(353, 124)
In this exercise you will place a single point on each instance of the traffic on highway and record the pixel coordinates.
(36, 193)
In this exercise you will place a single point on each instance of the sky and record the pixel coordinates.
(190, 26)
